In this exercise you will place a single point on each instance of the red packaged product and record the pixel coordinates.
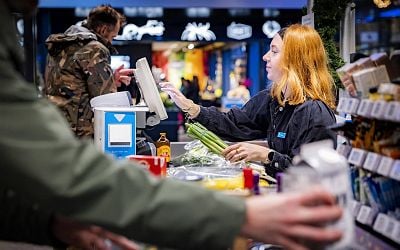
(157, 165)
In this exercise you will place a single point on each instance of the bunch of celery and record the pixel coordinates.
(208, 138)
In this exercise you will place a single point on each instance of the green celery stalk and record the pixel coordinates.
(213, 136)
(202, 135)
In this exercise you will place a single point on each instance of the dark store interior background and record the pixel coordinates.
(163, 33)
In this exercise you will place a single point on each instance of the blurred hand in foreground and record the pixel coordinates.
(292, 220)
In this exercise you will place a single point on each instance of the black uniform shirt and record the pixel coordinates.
(285, 128)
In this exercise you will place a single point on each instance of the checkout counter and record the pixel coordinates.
(118, 126)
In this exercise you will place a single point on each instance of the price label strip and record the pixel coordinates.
(379, 109)
(343, 149)
(395, 172)
(372, 161)
(357, 156)
(381, 223)
(342, 104)
(389, 229)
(355, 208)
(390, 113)
(352, 105)
(396, 233)
(365, 108)
(385, 166)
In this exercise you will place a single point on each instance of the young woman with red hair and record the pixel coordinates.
(294, 110)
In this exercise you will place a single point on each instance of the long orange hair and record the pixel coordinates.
(304, 66)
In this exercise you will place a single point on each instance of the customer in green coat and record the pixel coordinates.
(42, 160)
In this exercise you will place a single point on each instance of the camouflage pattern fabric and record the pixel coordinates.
(78, 69)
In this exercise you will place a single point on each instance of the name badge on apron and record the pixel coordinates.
(281, 135)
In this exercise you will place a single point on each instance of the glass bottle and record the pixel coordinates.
(164, 147)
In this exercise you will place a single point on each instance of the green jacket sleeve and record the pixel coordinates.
(22, 221)
(42, 159)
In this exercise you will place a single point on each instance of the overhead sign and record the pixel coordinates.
(134, 32)
(195, 32)
(239, 31)
(270, 28)
(282, 4)
(175, 25)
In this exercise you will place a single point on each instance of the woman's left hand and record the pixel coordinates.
(245, 151)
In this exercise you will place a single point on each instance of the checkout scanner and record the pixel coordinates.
(118, 124)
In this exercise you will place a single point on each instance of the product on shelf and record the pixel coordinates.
(373, 149)
(369, 78)
(366, 73)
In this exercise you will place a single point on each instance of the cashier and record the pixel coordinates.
(294, 110)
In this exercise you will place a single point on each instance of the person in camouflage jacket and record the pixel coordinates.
(78, 67)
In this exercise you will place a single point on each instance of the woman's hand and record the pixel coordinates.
(186, 105)
(246, 151)
(180, 100)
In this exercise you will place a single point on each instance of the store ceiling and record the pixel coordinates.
(280, 4)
